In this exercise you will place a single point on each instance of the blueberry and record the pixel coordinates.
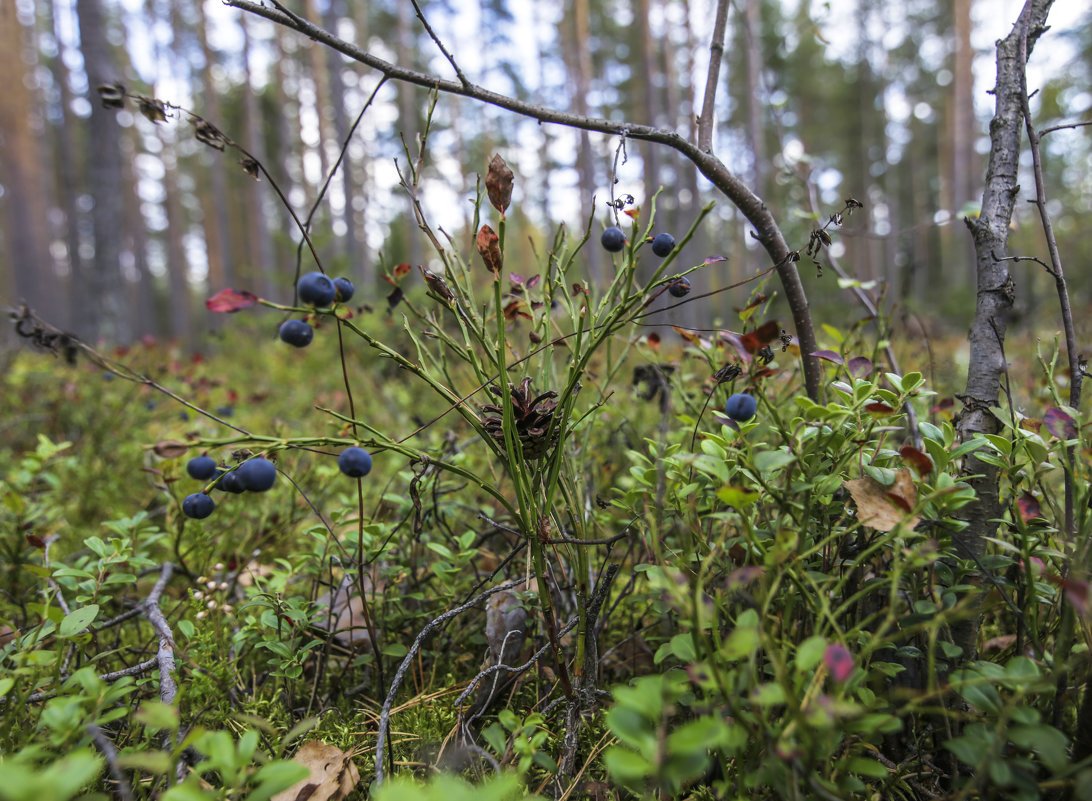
(257, 475)
(201, 467)
(613, 239)
(229, 481)
(741, 407)
(198, 506)
(663, 244)
(680, 287)
(317, 289)
(355, 462)
(345, 288)
(296, 333)
(225, 411)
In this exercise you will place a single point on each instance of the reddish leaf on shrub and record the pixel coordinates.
(917, 460)
(1031, 424)
(860, 366)
(839, 661)
(944, 405)
(654, 341)
(829, 356)
(401, 269)
(532, 282)
(1060, 424)
(878, 408)
(760, 338)
(230, 300)
(515, 309)
(633, 213)
(714, 259)
(1076, 592)
(1028, 507)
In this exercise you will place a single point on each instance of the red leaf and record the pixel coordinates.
(900, 501)
(878, 408)
(498, 183)
(401, 270)
(714, 259)
(689, 336)
(763, 336)
(1060, 424)
(1028, 507)
(839, 661)
(943, 405)
(230, 300)
(654, 341)
(917, 460)
(633, 213)
(532, 282)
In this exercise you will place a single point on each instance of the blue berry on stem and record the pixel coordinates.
(613, 239)
(201, 467)
(345, 288)
(317, 289)
(355, 462)
(257, 475)
(296, 333)
(229, 481)
(680, 287)
(663, 244)
(741, 407)
(198, 506)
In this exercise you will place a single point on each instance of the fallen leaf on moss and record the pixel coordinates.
(333, 774)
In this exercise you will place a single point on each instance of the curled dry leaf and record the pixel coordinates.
(170, 448)
(333, 774)
(498, 183)
(489, 248)
(883, 508)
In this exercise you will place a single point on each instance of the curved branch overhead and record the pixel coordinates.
(766, 229)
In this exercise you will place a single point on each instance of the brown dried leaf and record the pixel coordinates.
(170, 448)
(153, 109)
(489, 248)
(883, 508)
(112, 95)
(498, 183)
(333, 774)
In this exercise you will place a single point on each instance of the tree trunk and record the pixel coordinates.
(995, 288)
(104, 312)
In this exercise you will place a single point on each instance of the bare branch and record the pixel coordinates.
(400, 674)
(1064, 126)
(712, 77)
(103, 743)
(432, 35)
(168, 688)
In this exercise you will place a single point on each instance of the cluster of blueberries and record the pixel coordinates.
(614, 239)
(319, 290)
(254, 475)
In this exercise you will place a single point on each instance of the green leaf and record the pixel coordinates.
(768, 695)
(6, 684)
(625, 766)
(863, 766)
(809, 652)
(78, 621)
(274, 777)
(768, 461)
(682, 645)
(742, 642)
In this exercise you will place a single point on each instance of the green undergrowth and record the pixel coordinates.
(711, 608)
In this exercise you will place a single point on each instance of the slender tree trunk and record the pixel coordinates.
(260, 245)
(214, 200)
(344, 179)
(24, 208)
(104, 298)
(995, 288)
(178, 303)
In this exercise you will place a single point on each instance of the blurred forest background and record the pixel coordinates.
(116, 228)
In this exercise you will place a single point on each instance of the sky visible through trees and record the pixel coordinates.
(819, 101)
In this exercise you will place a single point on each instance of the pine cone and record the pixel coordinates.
(533, 416)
